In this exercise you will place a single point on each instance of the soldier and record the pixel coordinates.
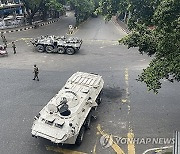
(36, 72)
(2, 35)
(4, 41)
(14, 47)
(64, 100)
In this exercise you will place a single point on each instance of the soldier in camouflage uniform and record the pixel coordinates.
(2, 35)
(36, 72)
(14, 47)
(4, 41)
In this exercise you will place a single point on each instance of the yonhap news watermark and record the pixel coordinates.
(108, 140)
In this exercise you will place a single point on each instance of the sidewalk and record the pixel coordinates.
(121, 24)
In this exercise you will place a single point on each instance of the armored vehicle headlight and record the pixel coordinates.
(49, 122)
(59, 125)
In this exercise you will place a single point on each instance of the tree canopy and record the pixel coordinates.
(57, 5)
(33, 6)
(155, 30)
(83, 9)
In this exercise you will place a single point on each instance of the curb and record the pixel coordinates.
(30, 27)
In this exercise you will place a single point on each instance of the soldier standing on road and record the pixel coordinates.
(2, 35)
(14, 47)
(36, 72)
(4, 41)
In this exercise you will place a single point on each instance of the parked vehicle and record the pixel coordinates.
(3, 51)
(56, 44)
(68, 114)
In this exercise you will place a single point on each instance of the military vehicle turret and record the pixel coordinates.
(56, 44)
(68, 114)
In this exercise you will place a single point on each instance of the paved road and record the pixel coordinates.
(127, 110)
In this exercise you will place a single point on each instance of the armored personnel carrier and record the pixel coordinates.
(68, 114)
(55, 44)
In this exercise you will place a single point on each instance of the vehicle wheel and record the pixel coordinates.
(80, 136)
(88, 121)
(49, 48)
(99, 99)
(40, 48)
(60, 50)
(70, 51)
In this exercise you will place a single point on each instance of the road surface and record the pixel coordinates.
(128, 110)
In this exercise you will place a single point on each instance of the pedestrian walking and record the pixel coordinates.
(14, 47)
(36, 72)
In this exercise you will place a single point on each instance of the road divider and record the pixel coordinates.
(107, 141)
(130, 135)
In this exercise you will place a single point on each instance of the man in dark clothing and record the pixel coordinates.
(2, 35)
(36, 72)
(14, 47)
(4, 41)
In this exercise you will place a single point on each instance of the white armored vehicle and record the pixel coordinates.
(56, 44)
(67, 115)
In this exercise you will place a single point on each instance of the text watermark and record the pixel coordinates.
(108, 140)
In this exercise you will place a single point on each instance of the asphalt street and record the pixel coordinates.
(128, 109)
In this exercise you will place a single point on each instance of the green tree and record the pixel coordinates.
(96, 3)
(138, 10)
(142, 12)
(155, 30)
(109, 8)
(83, 9)
(55, 5)
(33, 6)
